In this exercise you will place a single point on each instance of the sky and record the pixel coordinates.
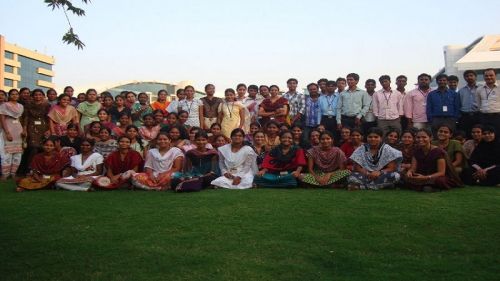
(253, 42)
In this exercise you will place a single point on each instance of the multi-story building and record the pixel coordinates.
(20, 67)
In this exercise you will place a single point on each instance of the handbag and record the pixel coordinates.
(190, 184)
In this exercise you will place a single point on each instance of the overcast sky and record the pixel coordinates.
(255, 42)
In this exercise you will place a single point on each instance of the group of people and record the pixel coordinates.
(338, 135)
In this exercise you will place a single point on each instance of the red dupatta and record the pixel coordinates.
(117, 166)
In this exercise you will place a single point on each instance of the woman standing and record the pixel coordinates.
(88, 109)
(46, 168)
(452, 147)
(35, 127)
(282, 165)
(194, 108)
(141, 109)
(375, 164)
(61, 115)
(430, 167)
(273, 108)
(231, 113)
(10, 115)
(161, 164)
(161, 102)
(237, 163)
(325, 163)
(84, 168)
(485, 160)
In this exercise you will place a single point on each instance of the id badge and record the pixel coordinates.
(283, 173)
(38, 122)
(46, 177)
(330, 112)
(272, 118)
(15, 121)
(445, 108)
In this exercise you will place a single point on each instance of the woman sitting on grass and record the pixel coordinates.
(137, 143)
(107, 144)
(237, 163)
(452, 147)
(470, 145)
(120, 166)
(430, 167)
(84, 168)
(485, 160)
(161, 164)
(282, 165)
(406, 147)
(375, 164)
(325, 163)
(46, 168)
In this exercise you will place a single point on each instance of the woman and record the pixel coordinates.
(161, 102)
(220, 141)
(325, 163)
(272, 137)
(282, 165)
(107, 102)
(177, 137)
(406, 147)
(485, 160)
(313, 138)
(150, 129)
(61, 115)
(35, 127)
(254, 127)
(92, 131)
(231, 113)
(200, 167)
(355, 141)
(136, 142)
(83, 169)
(45, 168)
(392, 137)
(10, 121)
(161, 165)
(106, 145)
(183, 117)
(375, 164)
(194, 108)
(273, 108)
(191, 143)
(430, 167)
(105, 119)
(298, 139)
(120, 166)
(237, 163)
(119, 110)
(88, 109)
(452, 147)
(160, 118)
(125, 120)
(259, 146)
(141, 109)
(345, 136)
(51, 97)
(72, 138)
(130, 99)
(470, 145)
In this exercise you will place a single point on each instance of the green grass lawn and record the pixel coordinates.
(261, 234)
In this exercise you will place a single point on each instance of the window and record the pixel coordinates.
(9, 69)
(8, 82)
(9, 55)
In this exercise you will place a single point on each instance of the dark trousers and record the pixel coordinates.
(467, 120)
(492, 119)
(330, 123)
(348, 121)
(367, 126)
(404, 123)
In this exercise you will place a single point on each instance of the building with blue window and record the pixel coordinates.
(20, 67)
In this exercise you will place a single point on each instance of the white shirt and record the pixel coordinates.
(162, 163)
(192, 107)
(92, 161)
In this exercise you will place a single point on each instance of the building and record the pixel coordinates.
(20, 67)
(481, 54)
(151, 88)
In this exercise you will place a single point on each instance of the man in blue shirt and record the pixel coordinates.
(312, 112)
(443, 105)
(469, 111)
(328, 108)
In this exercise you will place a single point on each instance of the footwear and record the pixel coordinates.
(352, 187)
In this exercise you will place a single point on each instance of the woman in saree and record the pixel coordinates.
(120, 166)
(88, 109)
(161, 164)
(61, 115)
(431, 169)
(325, 164)
(375, 164)
(141, 109)
(231, 113)
(282, 165)
(452, 147)
(46, 168)
(10, 122)
(273, 108)
(485, 160)
(107, 144)
(237, 163)
(84, 168)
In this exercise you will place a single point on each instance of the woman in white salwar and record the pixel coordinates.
(237, 163)
(84, 168)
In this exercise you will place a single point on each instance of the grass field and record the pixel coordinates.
(258, 234)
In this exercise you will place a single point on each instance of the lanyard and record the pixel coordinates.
(330, 102)
(189, 108)
(387, 99)
(488, 93)
(230, 110)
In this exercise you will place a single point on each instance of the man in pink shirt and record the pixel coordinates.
(387, 106)
(415, 103)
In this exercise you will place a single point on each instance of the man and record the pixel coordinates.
(387, 106)
(453, 82)
(322, 85)
(401, 82)
(210, 107)
(369, 120)
(328, 108)
(353, 103)
(469, 111)
(175, 106)
(443, 105)
(312, 109)
(488, 100)
(415, 103)
(264, 91)
(252, 103)
(296, 101)
(341, 83)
